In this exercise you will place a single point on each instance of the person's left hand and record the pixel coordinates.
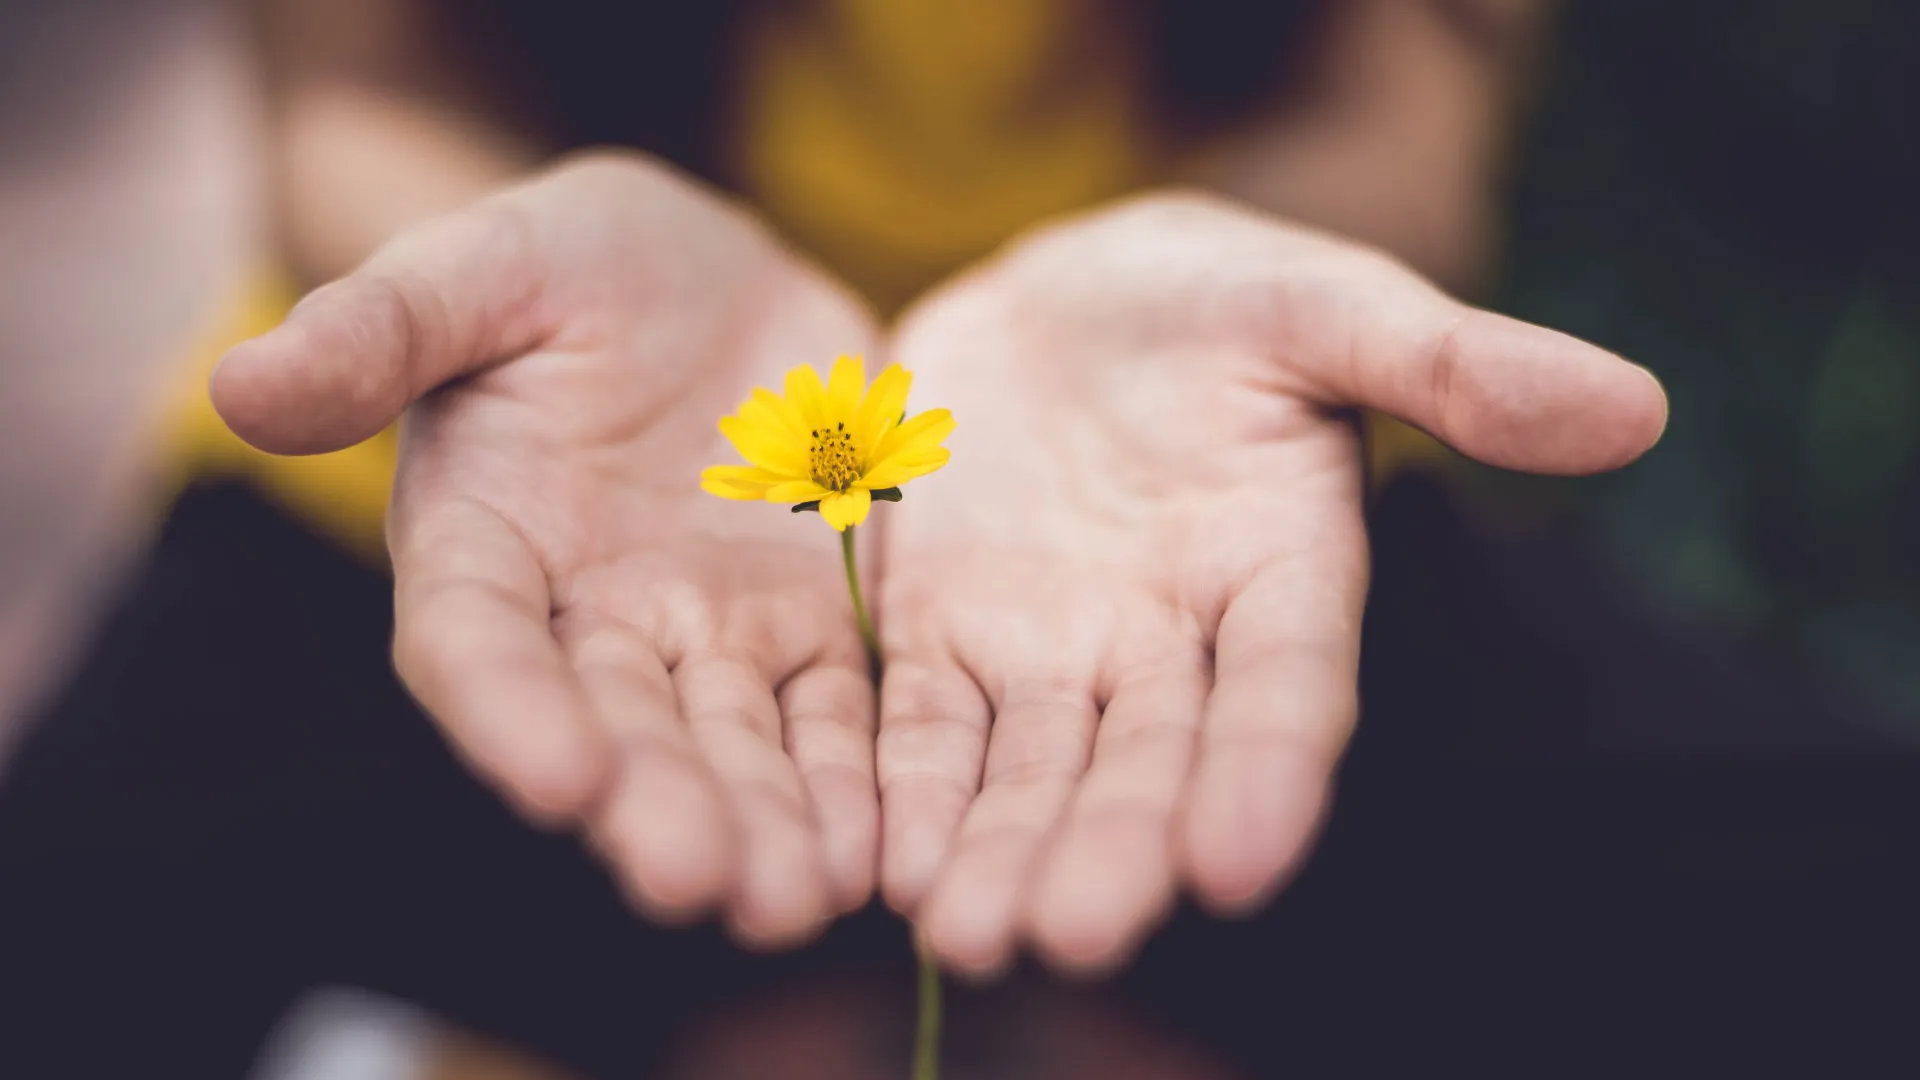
(1122, 626)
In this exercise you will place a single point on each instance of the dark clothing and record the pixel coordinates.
(235, 802)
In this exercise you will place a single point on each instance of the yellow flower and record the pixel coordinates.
(840, 445)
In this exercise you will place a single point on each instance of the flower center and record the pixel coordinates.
(836, 463)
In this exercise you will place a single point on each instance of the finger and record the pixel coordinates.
(829, 712)
(1109, 874)
(665, 827)
(1286, 661)
(1504, 391)
(780, 895)
(473, 643)
(932, 743)
(1042, 736)
(441, 300)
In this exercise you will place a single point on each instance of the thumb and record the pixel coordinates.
(1500, 390)
(442, 300)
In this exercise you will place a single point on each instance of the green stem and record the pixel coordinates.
(926, 1036)
(867, 635)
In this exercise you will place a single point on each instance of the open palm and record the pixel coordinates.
(611, 646)
(1122, 627)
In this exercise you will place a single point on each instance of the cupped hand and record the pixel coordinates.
(611, 646)
(1122, 626)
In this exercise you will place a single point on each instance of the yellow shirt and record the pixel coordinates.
(894, 142)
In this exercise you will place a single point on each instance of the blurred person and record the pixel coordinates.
(961, 125)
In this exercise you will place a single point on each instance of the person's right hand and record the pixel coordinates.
(612, 646)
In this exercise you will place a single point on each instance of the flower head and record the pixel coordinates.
(837, 446)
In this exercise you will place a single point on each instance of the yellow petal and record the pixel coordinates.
(881, 408)
(844, 385)
(765, 447)
(919, 434)
(901, 468)
(737, 481)
(870, 453)
(795, 491)
(727, 491)
(807, 395)
(769, 410)
(843, 509)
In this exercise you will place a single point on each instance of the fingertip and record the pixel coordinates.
(1225, 882)
(852, 865)
(331, 375)
(781, 898)
(926, 948)
(667, 900)
(766, 920)
(972, 948)
(1084, 958)
(758, 933)
(911, 856)
(1616, 412)
(1072, 943)
(1526, 397)
(552, 774)
(1246, 831)
(671, 843)
(245, 389)
(902, 896)
(554, 788)
(970, 921)
(1647, 413)
(1091, 909)
(849, 842)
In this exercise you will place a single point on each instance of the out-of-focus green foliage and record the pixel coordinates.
(1728, 191)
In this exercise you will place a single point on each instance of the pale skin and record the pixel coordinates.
(1121, 628)
(618, 651)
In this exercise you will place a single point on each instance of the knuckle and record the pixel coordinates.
(615, 164)
(395, 319)
(1178, 207)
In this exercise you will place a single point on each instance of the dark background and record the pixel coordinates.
(1636, 785)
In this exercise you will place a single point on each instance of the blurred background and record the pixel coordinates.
(1639, 768)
